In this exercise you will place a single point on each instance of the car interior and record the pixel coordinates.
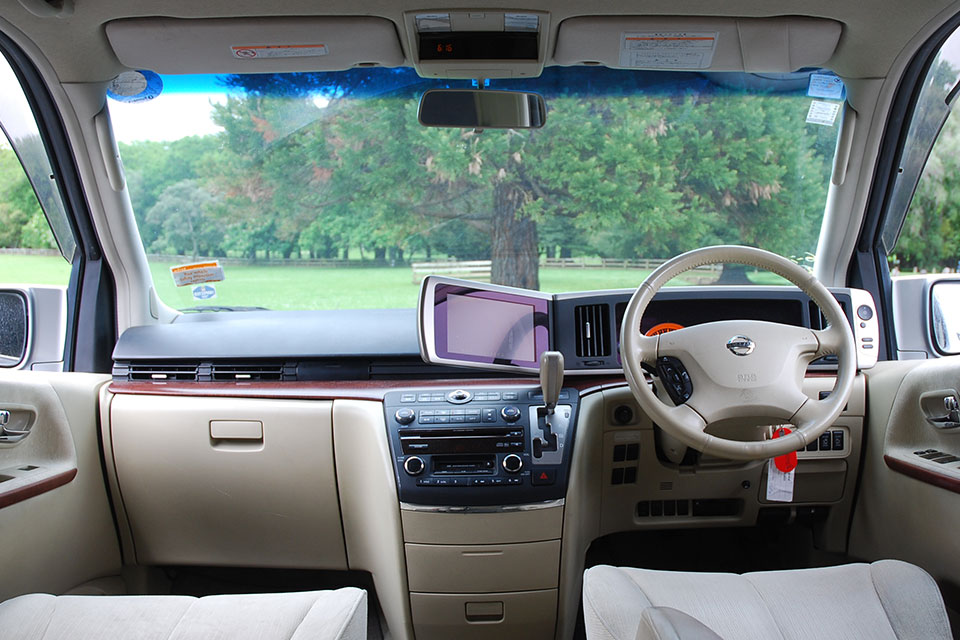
(772, 456)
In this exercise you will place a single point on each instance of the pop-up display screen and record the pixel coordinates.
(489, 327)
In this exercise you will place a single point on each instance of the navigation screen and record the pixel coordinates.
(491, 327)
(508, 337)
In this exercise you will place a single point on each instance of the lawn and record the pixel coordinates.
(289, 287)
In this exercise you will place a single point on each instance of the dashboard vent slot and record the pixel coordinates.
(593, 330)
(162, 372)
(254, 372)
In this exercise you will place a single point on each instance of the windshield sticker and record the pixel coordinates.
(521, 22)
(204, 292)
(135, 86)
(824, 113)
(433, 22)
(825, 85)
(279, 51)
(668, 49)
(197, 273)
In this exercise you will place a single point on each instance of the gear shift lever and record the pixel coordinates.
(551, 381)
(551, 378)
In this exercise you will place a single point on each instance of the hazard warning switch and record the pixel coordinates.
(543, 476)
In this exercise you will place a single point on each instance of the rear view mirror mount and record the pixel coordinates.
(482, 109)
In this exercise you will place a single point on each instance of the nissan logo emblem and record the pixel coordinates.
(740, 345)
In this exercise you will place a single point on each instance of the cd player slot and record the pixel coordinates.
(464, 465)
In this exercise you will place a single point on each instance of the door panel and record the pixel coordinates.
(56, 528)
(909, 505)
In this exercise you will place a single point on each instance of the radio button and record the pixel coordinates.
(408, 397)
(459, 396)
(512, 463)
(405, 416)
(510, 395)
(510, 413)
(489, 415)
(414, 465)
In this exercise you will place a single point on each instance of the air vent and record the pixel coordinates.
(593, 330)
(252, 372)
(162, 372)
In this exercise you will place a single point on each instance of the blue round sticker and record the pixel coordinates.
(135, 86)
(204, 292)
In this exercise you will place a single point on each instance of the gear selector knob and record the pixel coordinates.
(551, 378)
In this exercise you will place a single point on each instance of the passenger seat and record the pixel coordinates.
(317, 615)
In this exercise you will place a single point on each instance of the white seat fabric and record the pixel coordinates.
(317, 615)
(886, 600)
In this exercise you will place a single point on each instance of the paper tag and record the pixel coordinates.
(521, 22)
(825, 85)
(779, 484)
(204, 292)
(279, 51)
(668, 49)
(197, 273)
(433, 22)
(788, 461)
(824, 113)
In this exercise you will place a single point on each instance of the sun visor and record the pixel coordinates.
(241, 45)
(717, 44)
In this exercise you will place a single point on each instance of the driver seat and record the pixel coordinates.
(885, 600)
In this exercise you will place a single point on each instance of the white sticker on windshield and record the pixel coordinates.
(204, 292)
(779, 484)
(825, 85)
(824, 113)
(197, 273)
(668, 49)
(279, 51)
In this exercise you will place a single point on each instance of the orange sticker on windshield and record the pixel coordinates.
(663, 327)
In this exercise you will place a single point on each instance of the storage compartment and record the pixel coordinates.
(483, 568)
(530, 615)
(482, 528)
(228, 481)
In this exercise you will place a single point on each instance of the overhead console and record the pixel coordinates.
(478, 44)
(485, 326)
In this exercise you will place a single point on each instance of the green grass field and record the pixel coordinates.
(287, 287)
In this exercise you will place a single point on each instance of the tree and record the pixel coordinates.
(183, 215)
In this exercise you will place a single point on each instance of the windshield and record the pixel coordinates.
(322, 190)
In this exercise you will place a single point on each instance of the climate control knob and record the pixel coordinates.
(512, 463)
(510, 413)
(405, 416)
(413, 465)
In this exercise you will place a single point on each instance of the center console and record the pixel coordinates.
(482, 472)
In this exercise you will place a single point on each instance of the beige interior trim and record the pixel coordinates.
(254, 45)
(741, 44)
(59, 539)
(195, 499)
(370, 507)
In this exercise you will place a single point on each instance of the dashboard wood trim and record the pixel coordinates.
(923, 475)
(34, 489)
(334, 389)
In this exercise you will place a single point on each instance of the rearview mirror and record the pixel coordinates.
(482, 109)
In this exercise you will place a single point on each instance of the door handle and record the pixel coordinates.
(952, 418)
(8, 434)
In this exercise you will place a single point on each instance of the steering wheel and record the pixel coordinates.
(738, 368)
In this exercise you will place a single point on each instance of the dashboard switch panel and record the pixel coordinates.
(480, 446)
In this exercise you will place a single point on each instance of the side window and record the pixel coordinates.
(922, 232)
(37, 246)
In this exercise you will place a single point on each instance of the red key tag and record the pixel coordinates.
(788, 461)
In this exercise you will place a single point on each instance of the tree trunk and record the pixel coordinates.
(733, 274)
(380, 255)
(513, 242)
(566, 252)
(346, 253)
